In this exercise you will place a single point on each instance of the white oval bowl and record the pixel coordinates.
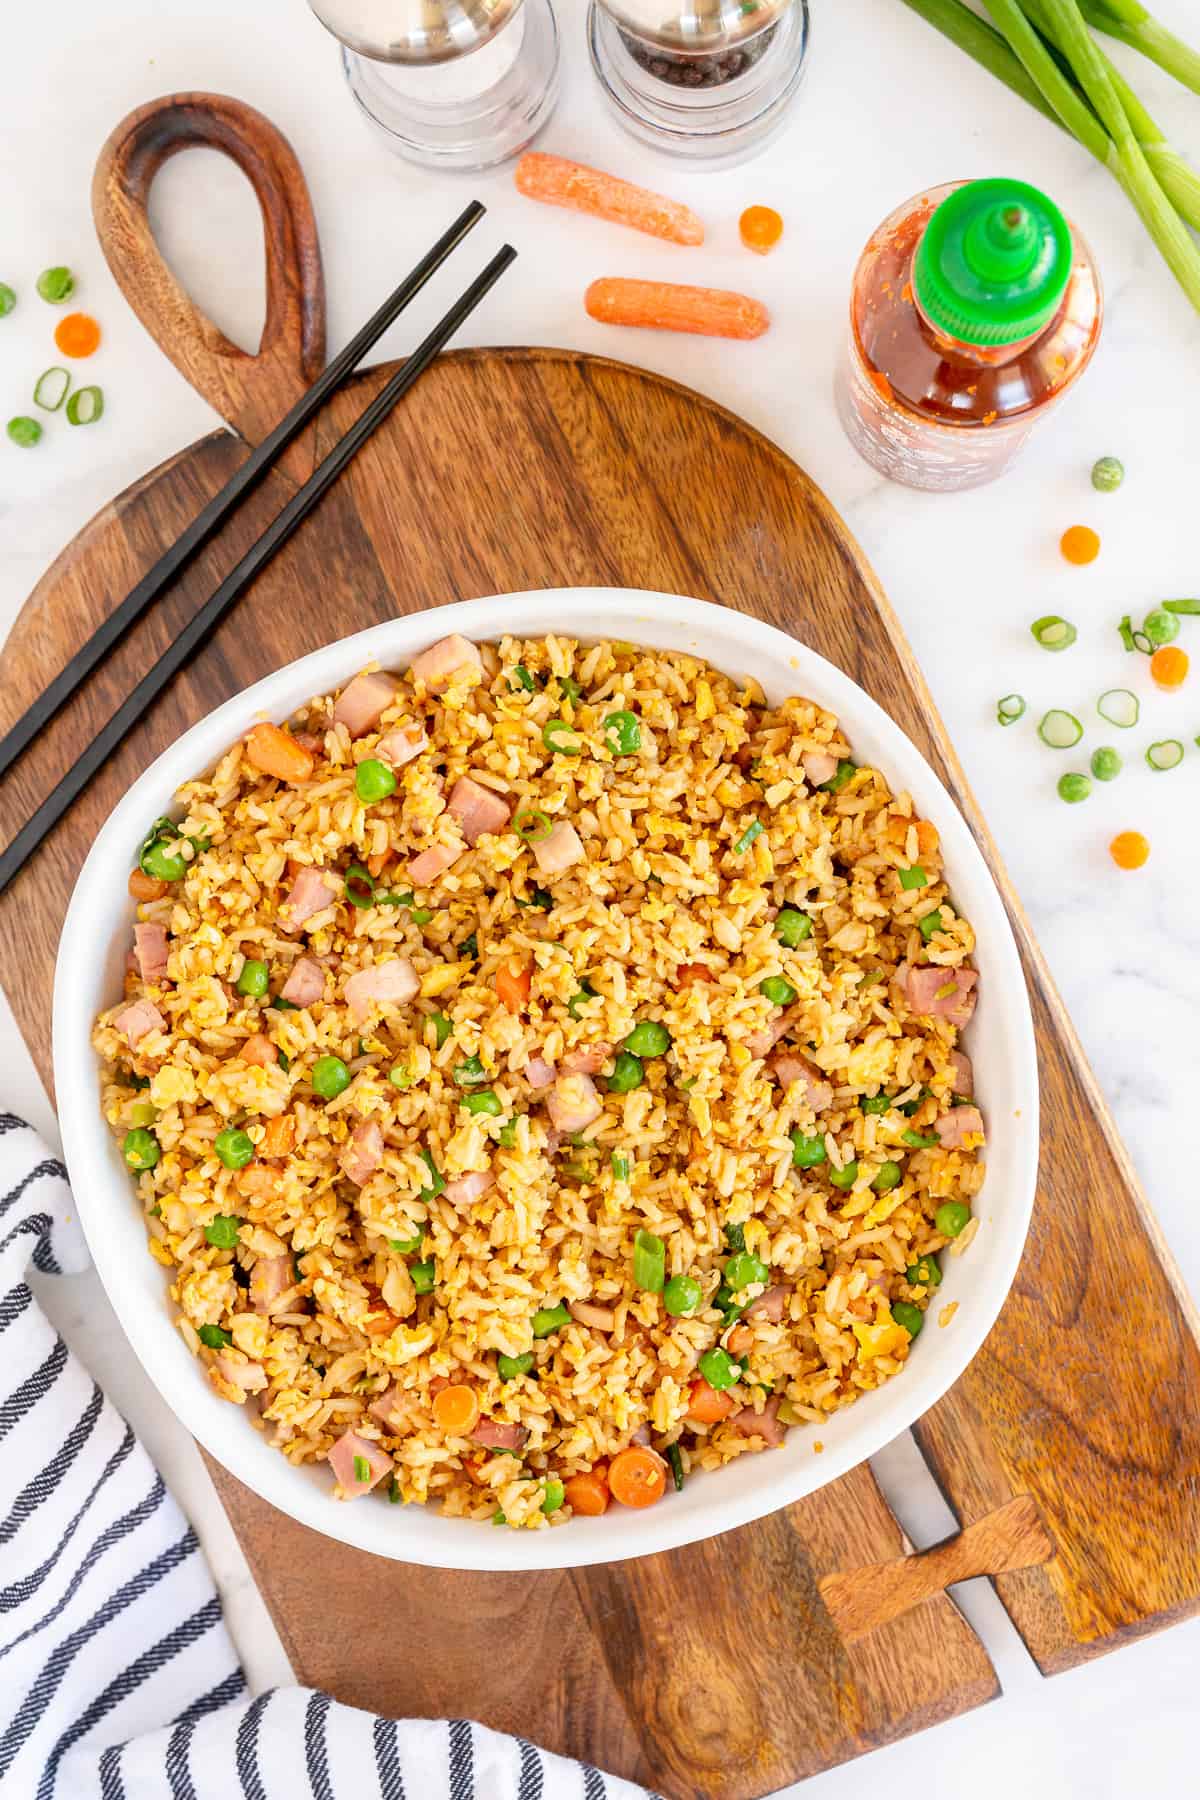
(1000, 1039)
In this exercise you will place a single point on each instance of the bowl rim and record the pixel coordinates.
(89, 1144)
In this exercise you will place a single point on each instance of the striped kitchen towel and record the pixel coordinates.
(118, 1679)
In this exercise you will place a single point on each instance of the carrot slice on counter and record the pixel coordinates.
(637, 1476)
(672, 306)
(456, 1409)
(512, 985)
(277, 753)
(77, 335)
(760, 229)
(587, 1493)
(557, 182)
(1169, 666)
(707, 1405)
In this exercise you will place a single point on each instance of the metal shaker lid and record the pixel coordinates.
(703, 27)
(414, 31)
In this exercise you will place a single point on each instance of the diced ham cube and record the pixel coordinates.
(588, 1059)
(963, 1074)
(468, 1188)
(498, 1434)
(363, 702)
(138, 1021)
(538, 1072)
(438, 665)
(363, 1154)
(310, 893)
(251, 1377)
(788, 1067)
(942, 993)
(769, 1305)
(762, 1424)
(306, 983)
(150, 948)
(819, 767)
(349, 1449)
(270, 1277)
(384, 1406)
(402, 744)
(559, 850)
(425, 868)
(761, 1043)
(388, 983)
(958, 1123)
(600, 1318)
(477, 809)
(573, 1103)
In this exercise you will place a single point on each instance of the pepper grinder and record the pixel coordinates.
(710, 80)
(450, 84)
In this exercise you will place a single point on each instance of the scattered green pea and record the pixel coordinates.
(141, 1149)
(56, 285)
(648, 1039)
(778, 991)
(254, 979)
(24, 432)
(807, 1152)
(1107, 474)
(7, 299)
(1106, 763)
(234, 1148)
(373, 780)
(486, 1104)
(844, 1177)
(682, 1295)
(909, 1316)
(627, 1074)
(222, 1232)
(743, 1269)
(1160, 626)
(887, 1176)
(1073, 788)
(952, 1218)
(330, 1077)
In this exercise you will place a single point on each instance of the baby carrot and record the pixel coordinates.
(557, 182)
(456, 1410)
(587, 1493)
(670, 306)
(277, 753)
(77, 335)
(637, 1476)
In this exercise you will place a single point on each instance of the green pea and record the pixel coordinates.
(509, 1367)
(583, 993)
(875, 1103)
(951, 1218)
(437, 1181)
(548, 1319)
(234, 1148)
(222, 1232)
(486, 1104)
(442, 1029)
(1072, 789)
(424, 1276)
(887, 1176)
(499, 1517)
(1108, 474)
(918, 1140)
(373, 780)
(56, 285)
(507, 1136)
(807, 1152)
(143, 1112)
(792, 927)
(682, 1295)
(846, 1177)
(1106, 763)
(400, 1076)
(407, 1246)
(718, 1368)
(470, 1072)
(623, 733)
(7, 299)
(1160, 626)
(556, 1493)
(254, 979)
(330, 1077)
(648, 1039)
(743, 1269)
(141, 1149)
(925, 1272)
(778, 991)
(214, 1337)
(909, 1316)
(627, 1074)
(24, 432)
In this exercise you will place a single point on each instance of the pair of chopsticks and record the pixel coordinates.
(247, 477)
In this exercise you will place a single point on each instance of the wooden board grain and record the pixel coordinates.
(514, 469)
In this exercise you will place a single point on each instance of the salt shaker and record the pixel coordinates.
(710, 80)
(451, 84)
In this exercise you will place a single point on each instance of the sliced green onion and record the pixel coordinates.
(1142, 642)
(362, 1469)
(778, 991)
(620, 1166)
(555, 1496)
(1010, 709)
(85, 406)
(360, 886)
(394, 1494)
(1073, 788)
(1119, 707)
(846, 770)
(913, 878)
(437, 1181)
(675, 1458)
(407, 1246)
(558, 736)
(442, 1029)
(506, 1137)
(469, 948)
(1060, 730)
(932, 921)
(569, 688)
(524, 678)
(1160, 626)
(748, 836)
(917, 1140)
(470, 1073)
(533, 825)
(649, 1262)
(623, 733)
(1188, 609)
(1166, 754)
(548, 1319)
(52, 388)
(1053, 633)
(1125, 627)
(423, 1276)
(510, 1367)
(735, 1234)
(1106, 763)
(214, 1337)
(583, 993)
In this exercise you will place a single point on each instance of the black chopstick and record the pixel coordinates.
(205, 621)
(219, 508)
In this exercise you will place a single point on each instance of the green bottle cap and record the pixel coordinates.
(993, 263)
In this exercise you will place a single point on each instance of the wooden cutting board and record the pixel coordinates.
(724, 1671)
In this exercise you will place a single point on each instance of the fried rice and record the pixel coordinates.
(616, 1121)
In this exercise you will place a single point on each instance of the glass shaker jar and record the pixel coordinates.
(975, 307)
(710, 80)
(451, 84)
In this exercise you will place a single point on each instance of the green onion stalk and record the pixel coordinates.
(1139, 29)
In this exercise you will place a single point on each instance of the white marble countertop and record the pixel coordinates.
(887, 109)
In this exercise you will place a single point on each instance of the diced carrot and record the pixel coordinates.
(377, 864)
(670, 306)
(145, 887)
(279, 1137)
(277, 753)
(557, 182)
(688, 974)
(927, 837)
(637, 1476)
(456, 1409)
(381, 1323)
(256, 1182)
(706, 1404)
(512, 985)
(587, 1494)
(739, 1340)
(258, 1050)
(77, 335)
